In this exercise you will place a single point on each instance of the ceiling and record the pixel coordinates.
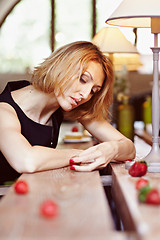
(6, 7)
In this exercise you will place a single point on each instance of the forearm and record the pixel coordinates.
(53, 158)
(123, 149)
(40, 158)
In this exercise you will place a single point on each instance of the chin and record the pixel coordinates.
(67, 108)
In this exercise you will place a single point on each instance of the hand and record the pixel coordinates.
(95, 157)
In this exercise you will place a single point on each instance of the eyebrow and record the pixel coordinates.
(92, 80)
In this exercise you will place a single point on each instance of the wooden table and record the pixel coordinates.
(84, 211)
(136, 217)
(145, 136)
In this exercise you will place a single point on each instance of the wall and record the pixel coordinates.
(4, 78)
(139, 84)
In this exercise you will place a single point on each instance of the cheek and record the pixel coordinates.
(86, 100)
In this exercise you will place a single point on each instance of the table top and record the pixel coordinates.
(145, 136)
(83, 209)
(137, 217)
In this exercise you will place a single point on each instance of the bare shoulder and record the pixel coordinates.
(8, 115)
(5, 106)
(6, 109)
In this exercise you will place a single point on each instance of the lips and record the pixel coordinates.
(75, 101)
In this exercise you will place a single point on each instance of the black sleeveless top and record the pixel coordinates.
(35, 133)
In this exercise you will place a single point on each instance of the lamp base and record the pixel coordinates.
(154, 167)
(153, 160)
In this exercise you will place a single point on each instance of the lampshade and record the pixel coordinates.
(130, 60)
(114, 44)
(112, 40)
(136, 14)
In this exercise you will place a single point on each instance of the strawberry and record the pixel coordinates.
(141, 182)
(49, 209)
(149, 195)
(74, 129)
(153, 197)
(143, 193)
(138, 169)
(21, 187)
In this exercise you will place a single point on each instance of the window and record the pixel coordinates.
(73, 21)
(25, 36)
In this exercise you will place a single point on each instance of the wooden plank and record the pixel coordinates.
(142, 218)
(117, 235)
(145, 136)
(3, 190)
(83, 209)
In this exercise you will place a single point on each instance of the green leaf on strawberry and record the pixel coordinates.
(143, 193)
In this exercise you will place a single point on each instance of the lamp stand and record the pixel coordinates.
(153, 158)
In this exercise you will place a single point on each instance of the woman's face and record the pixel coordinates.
(82, 89)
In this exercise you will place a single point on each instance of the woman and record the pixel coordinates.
(75, 80)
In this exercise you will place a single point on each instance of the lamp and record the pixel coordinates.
(145, 14)
(112, 42)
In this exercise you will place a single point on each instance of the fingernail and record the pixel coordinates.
(71, 161)
(72, 167)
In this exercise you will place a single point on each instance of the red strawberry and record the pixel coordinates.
(153, 197)
(141, 183)
(49, 209)
(74, 129)
(21, 187)
(138, 169)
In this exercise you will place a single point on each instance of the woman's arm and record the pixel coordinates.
(113, 146)
(20, 154)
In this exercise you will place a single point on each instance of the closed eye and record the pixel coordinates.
(83, 79)
(95, 90)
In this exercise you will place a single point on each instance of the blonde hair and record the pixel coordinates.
(63, 66)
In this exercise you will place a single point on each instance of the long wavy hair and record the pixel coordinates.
(63, 66)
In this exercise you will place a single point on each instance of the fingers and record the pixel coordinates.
(93, 158)
(89, 150)
(85, 167)
(86, 156)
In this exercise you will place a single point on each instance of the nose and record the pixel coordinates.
(85, 92)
